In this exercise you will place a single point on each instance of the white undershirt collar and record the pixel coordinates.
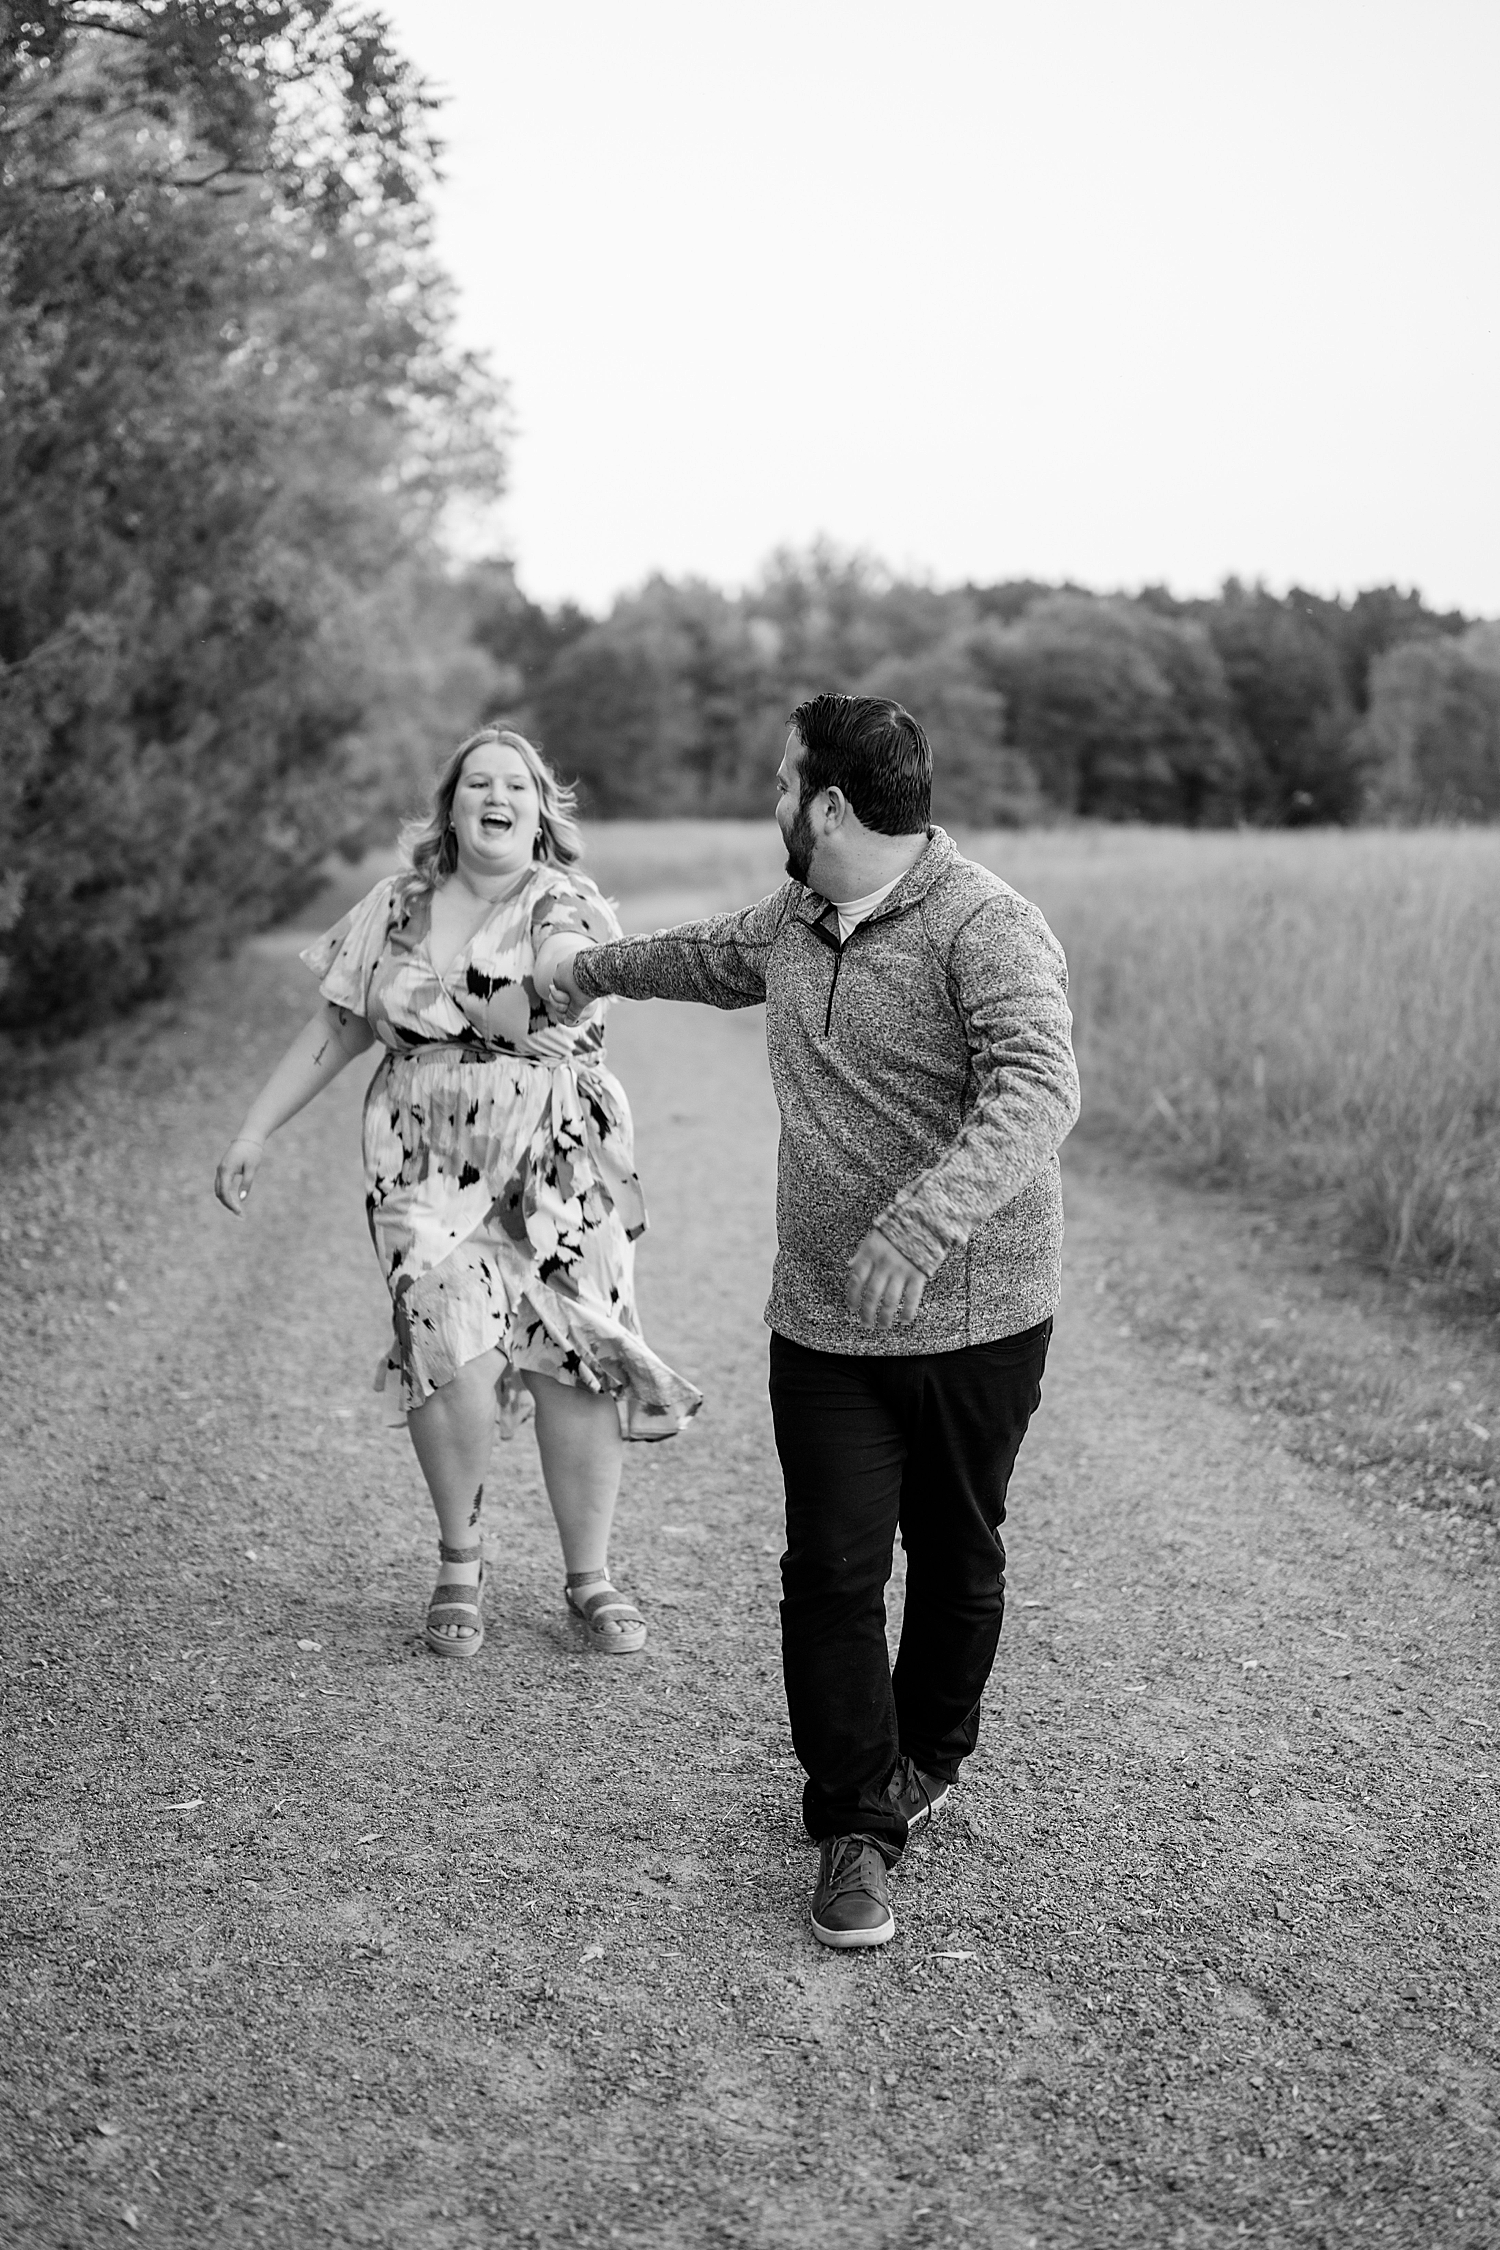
(852, 911)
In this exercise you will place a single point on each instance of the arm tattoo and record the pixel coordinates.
(342, 1014)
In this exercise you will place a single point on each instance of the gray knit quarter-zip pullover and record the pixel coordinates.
(925, 1076)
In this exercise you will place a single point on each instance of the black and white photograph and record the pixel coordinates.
(750, 1125)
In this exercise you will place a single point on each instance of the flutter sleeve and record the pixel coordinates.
(344, 958)
(569, 904)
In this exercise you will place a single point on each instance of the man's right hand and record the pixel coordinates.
(884, 1288)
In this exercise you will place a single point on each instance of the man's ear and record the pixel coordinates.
(838, 809)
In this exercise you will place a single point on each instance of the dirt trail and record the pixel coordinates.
(335, 1943)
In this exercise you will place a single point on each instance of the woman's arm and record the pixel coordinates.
(332, 1038)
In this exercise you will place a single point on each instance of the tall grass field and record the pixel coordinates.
(1315, 1012)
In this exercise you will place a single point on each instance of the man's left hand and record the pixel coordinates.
(884, 1289)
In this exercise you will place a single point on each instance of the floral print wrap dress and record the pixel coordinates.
(500, 1183)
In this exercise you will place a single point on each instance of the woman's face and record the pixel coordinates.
(496, 812)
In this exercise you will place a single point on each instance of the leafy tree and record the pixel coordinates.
(1293, 704)
(1005, 603)
(1198, 737)
(601, 713)
(815, 612)
(233, 419)
(667, 706)
(1380, 618)
(1431, 739)
(423, 683)
(519, 635)
(1121, 713)
(309, 94)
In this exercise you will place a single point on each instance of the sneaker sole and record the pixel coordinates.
(929, 1811)
(842, 1940)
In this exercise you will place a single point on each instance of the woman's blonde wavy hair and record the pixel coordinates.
(430, 847)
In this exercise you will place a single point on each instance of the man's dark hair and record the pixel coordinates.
(875, 752)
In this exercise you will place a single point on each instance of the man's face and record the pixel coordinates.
(792, 816)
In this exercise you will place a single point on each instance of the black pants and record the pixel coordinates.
(868, 1443)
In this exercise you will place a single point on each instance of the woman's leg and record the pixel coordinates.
(578, 1437)
(452, 1431)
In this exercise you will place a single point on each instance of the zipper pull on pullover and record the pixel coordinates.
(835, 945)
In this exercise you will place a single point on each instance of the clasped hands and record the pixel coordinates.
(552, 974)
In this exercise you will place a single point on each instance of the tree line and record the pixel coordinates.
(1043, 702)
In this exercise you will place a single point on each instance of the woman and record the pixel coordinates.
(502, 1197)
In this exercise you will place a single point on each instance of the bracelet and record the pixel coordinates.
(248, 1138)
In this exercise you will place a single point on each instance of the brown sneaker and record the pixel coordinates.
(851, 1905)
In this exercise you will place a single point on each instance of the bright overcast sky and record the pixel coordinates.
(1116, 290)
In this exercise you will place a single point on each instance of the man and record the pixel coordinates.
(919, 1037)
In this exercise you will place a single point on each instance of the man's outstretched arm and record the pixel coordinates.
(720, 962)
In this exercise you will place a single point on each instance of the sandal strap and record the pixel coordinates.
(607, 1602)
(460, 1554)
(453, 1597)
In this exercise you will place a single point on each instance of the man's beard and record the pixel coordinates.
(800, 845)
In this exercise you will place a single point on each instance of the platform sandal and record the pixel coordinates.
(614, 1625)
(458, 1605)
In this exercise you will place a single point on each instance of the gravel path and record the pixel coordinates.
(312, 1939)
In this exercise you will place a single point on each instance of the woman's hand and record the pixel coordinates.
(326, 1042)
(236, 1174)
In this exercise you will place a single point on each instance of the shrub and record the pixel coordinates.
(231, 422)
